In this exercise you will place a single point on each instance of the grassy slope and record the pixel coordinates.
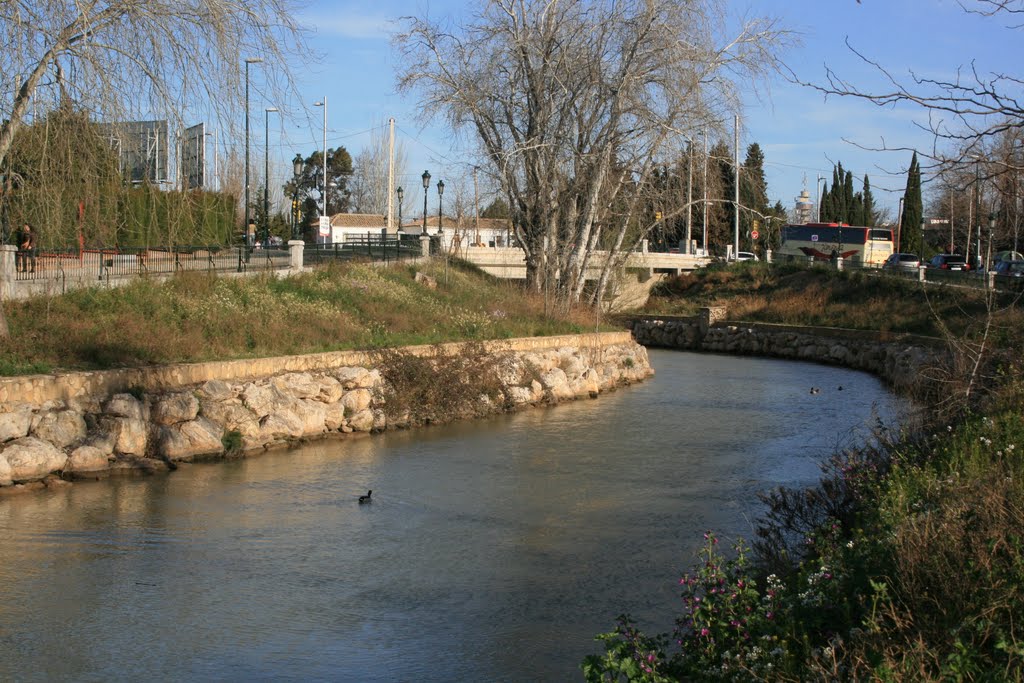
(195, 317)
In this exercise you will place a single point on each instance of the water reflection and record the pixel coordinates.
(493, 550)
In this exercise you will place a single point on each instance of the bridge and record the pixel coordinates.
(629, 288)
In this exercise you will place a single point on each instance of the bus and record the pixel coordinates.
(858, 245)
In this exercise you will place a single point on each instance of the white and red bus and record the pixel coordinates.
(858, 245)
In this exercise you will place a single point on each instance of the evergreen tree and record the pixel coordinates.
(753, 190)
(849, 201)
(867, 205)
(913, 211)
(825, 210)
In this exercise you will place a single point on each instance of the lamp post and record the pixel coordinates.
(401, 193)
(426, 186)
(991, 231)
(248, 61)
(266, 177)
(323, 104)
(297, 164)
(440, 211)
(817, 190)
(922, 237)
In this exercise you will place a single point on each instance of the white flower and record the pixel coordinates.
(849, 544)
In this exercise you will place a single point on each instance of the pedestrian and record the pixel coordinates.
(26, 249)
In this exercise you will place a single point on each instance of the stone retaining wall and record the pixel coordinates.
(79, 424)
(897, 360)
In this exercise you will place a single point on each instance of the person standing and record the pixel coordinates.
(26, 249)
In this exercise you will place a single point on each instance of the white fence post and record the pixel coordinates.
(296, 250)
(7, 271)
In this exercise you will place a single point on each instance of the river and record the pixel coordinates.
(492, 551)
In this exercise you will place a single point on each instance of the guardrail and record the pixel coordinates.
(372, 247)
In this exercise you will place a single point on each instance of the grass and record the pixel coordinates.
(198, 317)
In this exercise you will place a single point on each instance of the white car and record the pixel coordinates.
(746, 256)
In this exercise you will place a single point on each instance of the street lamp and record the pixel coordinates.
(426, 185)
(248, 61)
(817, 190)
(991, 231)
(922, 237)
(401, 193)
(440, 211)
(323, 104)
(297, 164)
(266, 177)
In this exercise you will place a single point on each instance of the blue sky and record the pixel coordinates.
(801, 132)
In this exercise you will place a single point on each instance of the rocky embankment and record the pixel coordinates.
(899, 360)
(56, 439)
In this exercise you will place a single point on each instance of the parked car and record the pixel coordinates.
(745, 256)
(1010, 268)
(902, 262)
(954, 262)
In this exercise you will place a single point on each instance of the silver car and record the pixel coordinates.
(900, 261)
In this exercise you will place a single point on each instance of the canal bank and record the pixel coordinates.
(88, 424)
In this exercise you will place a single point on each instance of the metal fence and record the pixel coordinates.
(102, 264)
(370, 247)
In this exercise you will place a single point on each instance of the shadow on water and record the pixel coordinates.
(492, 550)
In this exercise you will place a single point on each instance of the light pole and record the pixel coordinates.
(266, 177)
(426, 186)
(440, 211)
(922, 237)
(817, 190)
(401, 193)
(297, 165)
(248, 61)
(323, 104)
(991, 231)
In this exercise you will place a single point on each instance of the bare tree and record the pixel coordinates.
(572, 103)
(369, 185)
(123, 58)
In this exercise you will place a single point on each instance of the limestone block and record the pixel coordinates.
(102, 438)
(334, 416)
(185, 440)
(282, 424)
(124, 405)
(380, 420)
(557, 384)
(260, 399)
(362, 421)
(371, 380)
(31, 458)
(330, 390)
(314, 416)
(15, 423)
(296, 385)
(519, 395)
(511, 370)
(216, 390)
(356, 400)
(351, 378)
(62, 428)
(174, 408)
(5, 471)
(130, 435)
(573, 366)
(232, 416)
(87, 459)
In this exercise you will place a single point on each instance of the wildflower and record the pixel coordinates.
(849, 544)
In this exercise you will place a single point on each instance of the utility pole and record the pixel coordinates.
(391, 171)
(736, 213)
(706, 252)
(689, 193)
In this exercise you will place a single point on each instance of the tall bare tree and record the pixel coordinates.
(573, 102)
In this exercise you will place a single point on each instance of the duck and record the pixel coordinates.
(840, 388)
(366, 498)
(815, 390)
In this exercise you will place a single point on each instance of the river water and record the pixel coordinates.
(493, 550)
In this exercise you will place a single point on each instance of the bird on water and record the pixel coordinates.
(366, 498)
(815, 390)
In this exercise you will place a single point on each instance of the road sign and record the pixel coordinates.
(755, 234)
(325, 226)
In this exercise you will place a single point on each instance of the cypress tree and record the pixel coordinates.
(913, 211)
(868, 208)
(849, 203)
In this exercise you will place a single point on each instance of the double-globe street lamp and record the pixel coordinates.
(401, 193)
(266, 178)
(426, 186)
(440, 210)
(248, 61)
(297, 165)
